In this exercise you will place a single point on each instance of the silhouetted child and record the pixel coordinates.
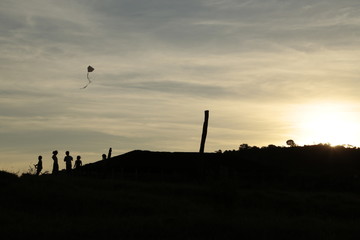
(68, 160)
(38, 166)
(55, 164)
(78, 162)
(103, 156)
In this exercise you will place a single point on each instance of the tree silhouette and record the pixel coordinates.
(291, 143)
(244, 146)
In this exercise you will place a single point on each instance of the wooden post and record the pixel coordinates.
(109, 153)
(204, 132)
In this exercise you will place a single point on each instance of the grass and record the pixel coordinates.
(78, 207)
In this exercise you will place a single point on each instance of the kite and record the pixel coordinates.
(89, 70)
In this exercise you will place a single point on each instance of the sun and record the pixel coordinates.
(335, 124)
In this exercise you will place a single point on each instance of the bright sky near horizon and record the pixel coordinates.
(268, 71)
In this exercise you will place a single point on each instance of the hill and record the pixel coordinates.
(270, 193)
(309, 166)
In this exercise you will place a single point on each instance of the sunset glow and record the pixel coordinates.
(329, 123)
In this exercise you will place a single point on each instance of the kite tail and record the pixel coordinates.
(87, 75)
(85, 86)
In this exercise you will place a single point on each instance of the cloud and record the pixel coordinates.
(180, 88)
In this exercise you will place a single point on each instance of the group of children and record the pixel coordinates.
(67, 159)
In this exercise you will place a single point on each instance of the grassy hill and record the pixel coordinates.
(319, 166)
(218, 199)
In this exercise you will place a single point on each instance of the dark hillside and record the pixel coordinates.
(147, 163)
(269, 193)
(73, 207)
(318, 159)
(310, 166)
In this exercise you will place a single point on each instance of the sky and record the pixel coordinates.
(267, 71)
